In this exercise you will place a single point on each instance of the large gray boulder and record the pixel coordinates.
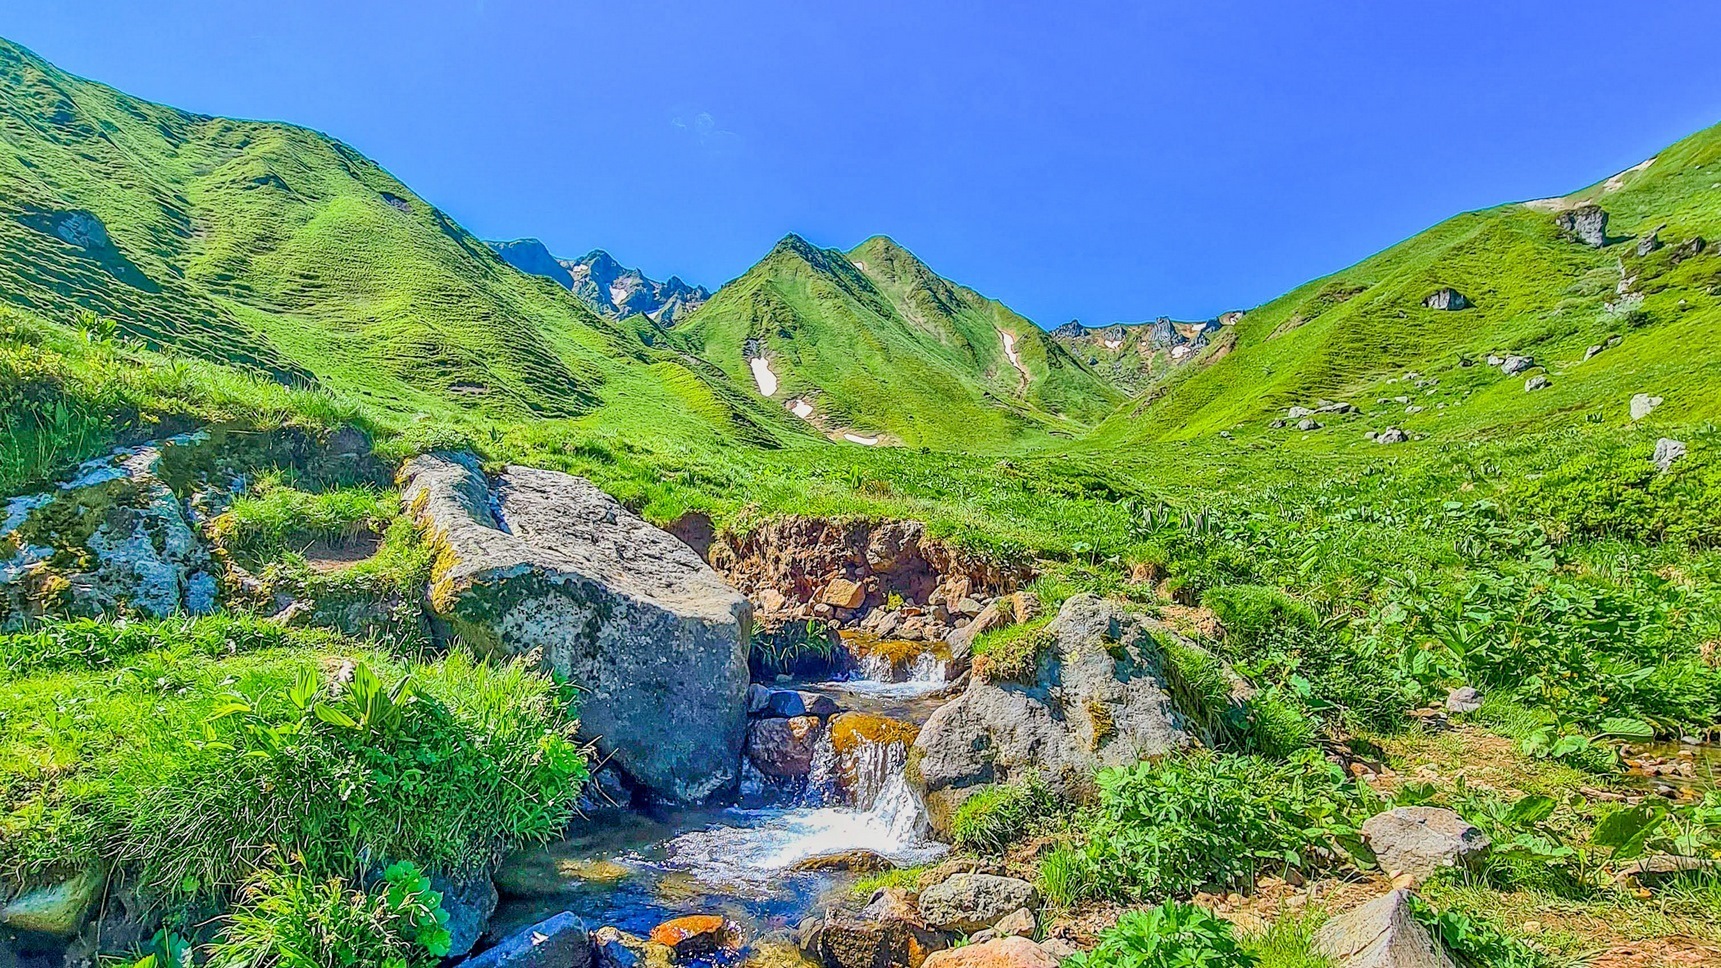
(1380, 934)
(547, 565)
(974, 902)
(1099, 697)
(1667, 450)
(1586, 224)
(559, 941)
(114, 538)
(1422, 840)
(888, 933)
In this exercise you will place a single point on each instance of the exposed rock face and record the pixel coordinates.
(604, 284)
(1586, 224)
(973, 902)
(1447, 298)
(617, 291)
(1011, 952)
(788, 564)
(113, 538)
(561, 571)
(559, 941)
(1667, 450)
(1380, 934)
(1099, 698)
(57, 910)
(1000, 613)
(1391, 435)
(1537, 382)
(1642, 405)
(1421, 840)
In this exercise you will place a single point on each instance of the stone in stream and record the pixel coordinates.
(975, 902)
(559, 570)
(559, 941)
(783, 748)
(1098, 697)
(696, 935)
(469, 902)
(789, 703)
(850, 861)
(1380, 934)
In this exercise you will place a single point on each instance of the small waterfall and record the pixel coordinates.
(926, 667)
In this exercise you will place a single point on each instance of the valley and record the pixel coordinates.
(370, 589)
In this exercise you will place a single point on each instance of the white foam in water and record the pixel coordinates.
(880, 678)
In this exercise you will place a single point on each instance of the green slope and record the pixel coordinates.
(1537, 292)
(880, 344)
(279, 249)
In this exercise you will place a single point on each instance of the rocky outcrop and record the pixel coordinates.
(1380, 934)
(1419, 841)
(114, 538)
(1642, 405)
(1667, 450)
(975, 902)
(1537, 382)
(549, 566)
(1514, 365)
(617, 291)
(1586, 224)
(1099, 696)
(1447, 298)
(798, 569)
(469, 901)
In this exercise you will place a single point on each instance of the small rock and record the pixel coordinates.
(1392, 435)
(1537, 382)
(1593, 350)
(1000, 953)
(1642, 405)
(1667, 450)
(1298, 413)
(1658, 868)
(1307, 424)
(790, 703)
(972, 902)
(696, 935)
(1421, 840)
(758, 699)
(783, 748)
(1019, 922)
(1059, 948)
(1650, 242)
(1370, 435)
(57, 910)
(1495, 360)
(843, 593)
(852, 861)
(1464, 699)
(1380, 934)
(1514, 365)
(559, 941)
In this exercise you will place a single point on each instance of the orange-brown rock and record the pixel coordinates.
(842, 593)
(1012, 952)
(694, 935)
(851, 730)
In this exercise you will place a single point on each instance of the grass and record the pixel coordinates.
(186, 751)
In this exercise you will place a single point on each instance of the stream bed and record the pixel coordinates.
(635, 869)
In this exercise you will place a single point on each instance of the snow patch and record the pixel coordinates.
(1112, 344)
(858, 439)
(763, 376)
(801, 408)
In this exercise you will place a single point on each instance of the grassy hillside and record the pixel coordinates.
(1536, 292)
(279, 249)
(879, 344)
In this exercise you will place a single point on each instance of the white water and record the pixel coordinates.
(763, 376)
(879, 677)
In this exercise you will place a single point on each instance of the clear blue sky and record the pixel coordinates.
(1101, 160)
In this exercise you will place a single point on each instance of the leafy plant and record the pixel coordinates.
(1170, 935)
(287, 920)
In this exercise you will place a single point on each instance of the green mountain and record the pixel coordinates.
(279, 249)
(1604, 314)
(872, 343)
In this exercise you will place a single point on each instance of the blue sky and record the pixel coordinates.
(1101, 160)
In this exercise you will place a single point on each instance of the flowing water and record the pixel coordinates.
(635, 871)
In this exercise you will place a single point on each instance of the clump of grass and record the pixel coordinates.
(1287, 943)
(1002, 814)
(1013, 654)
(904, 878)
(276, 519)
(288, 920)
(1066, 878)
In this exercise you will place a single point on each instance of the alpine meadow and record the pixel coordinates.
(375, 594)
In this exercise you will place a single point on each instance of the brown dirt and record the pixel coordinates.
(325, 557)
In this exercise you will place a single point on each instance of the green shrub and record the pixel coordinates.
(1171, 935)
(1203, 820)
(291, 921)
(1205, 690)
(1476, 944)
(1002, 814)
(1287, 942)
